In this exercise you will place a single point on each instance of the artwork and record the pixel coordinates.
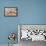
(10, 11)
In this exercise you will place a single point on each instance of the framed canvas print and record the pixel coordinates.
(10, 11)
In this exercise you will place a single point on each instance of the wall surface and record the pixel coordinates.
(29, 12)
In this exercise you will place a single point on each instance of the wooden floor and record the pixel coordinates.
(30, 43)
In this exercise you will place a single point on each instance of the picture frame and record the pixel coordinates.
(10, 11)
